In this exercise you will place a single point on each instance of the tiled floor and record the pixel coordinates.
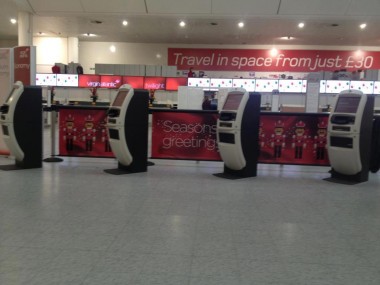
(70, 223)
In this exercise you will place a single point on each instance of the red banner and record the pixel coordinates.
(263, 60)
(172, 83)
(283, 139)
(22, 62)
(184, 136)
(82, 132)
(155, 83)
(89, 80)
(293, 139)
(137, 82)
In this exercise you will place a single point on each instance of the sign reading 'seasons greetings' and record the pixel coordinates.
(263, 60)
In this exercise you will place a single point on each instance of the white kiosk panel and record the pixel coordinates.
(7, 121)
(229, 130)
(115, 125)
(344, 132)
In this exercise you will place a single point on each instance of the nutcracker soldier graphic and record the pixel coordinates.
(278, 139)
(104, 137)
(299, 139)
(89, 132)
(261, 136)
(320, 140)
(70, 132)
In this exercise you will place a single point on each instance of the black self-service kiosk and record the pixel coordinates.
(127, 126)
(349, 137)
(238, 133)
(21, 124)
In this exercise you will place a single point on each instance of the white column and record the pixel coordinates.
(25, 29)
(72, 49)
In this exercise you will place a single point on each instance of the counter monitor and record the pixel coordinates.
(233, 101)
(120, 97)
(347, 105)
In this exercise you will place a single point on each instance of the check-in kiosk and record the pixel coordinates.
(349, 137)
(237, 134)
(127, 126)
(21, 124)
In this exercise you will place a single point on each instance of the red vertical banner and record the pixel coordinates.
(82, 132)
(293, 139)
(22, 64)
(184, 135)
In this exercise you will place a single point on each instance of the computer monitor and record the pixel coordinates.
(120, 97)
(347, 105)
(233, 101)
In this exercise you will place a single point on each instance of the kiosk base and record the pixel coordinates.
(14, 167)
(347, 179)
(133, 168)
(53, 159)
(237, 174)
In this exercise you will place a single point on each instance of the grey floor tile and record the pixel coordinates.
(70, 223)
(110, 278)
(162, 279)
(167, 264)
(211, 266)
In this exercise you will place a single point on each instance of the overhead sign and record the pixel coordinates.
(262, 60)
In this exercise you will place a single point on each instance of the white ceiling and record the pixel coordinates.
(156, 21)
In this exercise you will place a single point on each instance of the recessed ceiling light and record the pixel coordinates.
(158, 55)
(363, 26)
(288, 38)
(182, 24)
(13, 21)
(125, 23)
(89, 35)
(241, 24)
(112, 48)
(301, 25)
(273, 52)
(41, 34)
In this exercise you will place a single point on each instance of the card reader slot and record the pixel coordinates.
(341, 142)
(225, 125)
(227, 138)
(341, 128)
(5, 130)
(342, 120)
(114, 134)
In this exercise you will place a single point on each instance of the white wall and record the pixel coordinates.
(126, 53)
(50, 51)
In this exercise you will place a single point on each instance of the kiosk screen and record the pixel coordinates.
(10, 95)
(120, 97)
(233, 101)
(347, 105)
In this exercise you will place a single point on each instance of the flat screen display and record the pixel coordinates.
(347, 104)
(46, 79)
(233, 101)
(67, 80)
(120, 97)
(10, 95)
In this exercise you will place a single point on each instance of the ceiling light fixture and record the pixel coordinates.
(182, 24)
(301, 25)
(112, 48)
(363, 26)
(13, 21)
(125, 23)
(241, 24)
(273, 52)
(89, 35)
(288, 38)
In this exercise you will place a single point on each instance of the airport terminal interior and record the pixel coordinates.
(72, 223)
(258, 167)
